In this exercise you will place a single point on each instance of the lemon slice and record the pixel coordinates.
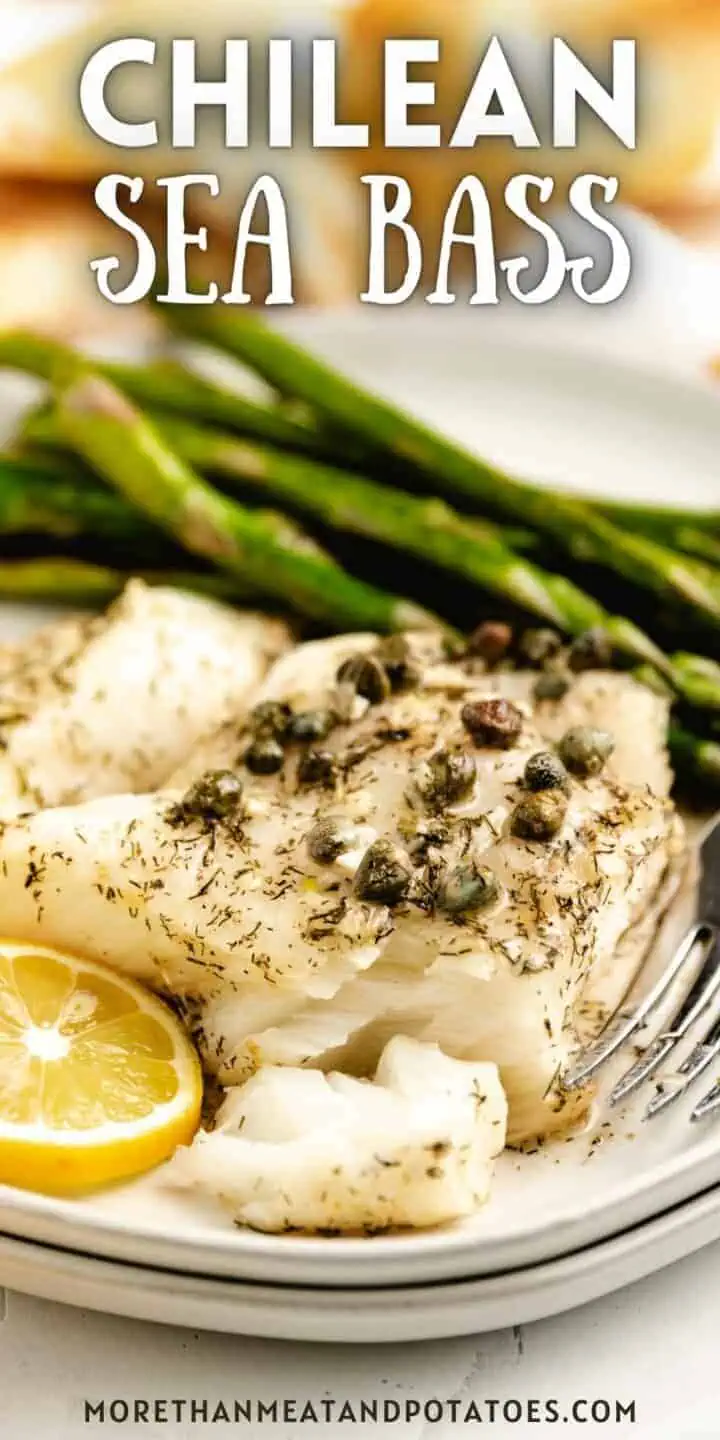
(98, 1081)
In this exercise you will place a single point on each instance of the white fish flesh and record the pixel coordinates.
(277, 960)
(96, 705)
(299, 1150)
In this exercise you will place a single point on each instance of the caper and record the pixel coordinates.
(466, 888)
(311, 725)
(216, 795)
(585, 750)
(445, 778)
(539, 646)
(318, 767)
(452, 647)
(540, 817)
(495, 723)
(329, 839)
(545, 771)
(592, 650)
(270, 717)
(384, 874)
(552, 685)
(397, 660)
(265, 756)
(430, 835)
(490, 641)
(367, 677)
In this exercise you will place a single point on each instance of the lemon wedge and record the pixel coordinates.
(98, 1081)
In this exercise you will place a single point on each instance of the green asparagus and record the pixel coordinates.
(690, 540)
(426, 528)
(585, 535)
(168, 385)
(264, 549)
(693, 532)
(432, 530)
(700, 679)
(38, 496)
(697, 760)
(66, 581)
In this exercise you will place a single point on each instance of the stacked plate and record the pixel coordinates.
(564, 1225)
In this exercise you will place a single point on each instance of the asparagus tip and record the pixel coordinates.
(89, 394)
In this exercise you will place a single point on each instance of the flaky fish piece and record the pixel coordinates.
(299, 1150)
(288, 938)
(97, 704)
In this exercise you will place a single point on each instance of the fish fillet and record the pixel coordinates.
(273, 958)
(96, 705)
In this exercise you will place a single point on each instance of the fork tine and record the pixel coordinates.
(625, 1024)
(644, 1067)
(702, 992)
(697, 1062)
(708, 1105)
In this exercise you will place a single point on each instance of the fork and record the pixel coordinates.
(697, 954)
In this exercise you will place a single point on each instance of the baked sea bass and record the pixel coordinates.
(388, 844)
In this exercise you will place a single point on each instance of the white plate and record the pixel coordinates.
(359, 1317)
(557, 416)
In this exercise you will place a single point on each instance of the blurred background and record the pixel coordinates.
(49, 227)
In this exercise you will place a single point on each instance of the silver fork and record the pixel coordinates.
(698, 954)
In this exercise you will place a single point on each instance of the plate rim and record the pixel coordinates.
(473, 1305)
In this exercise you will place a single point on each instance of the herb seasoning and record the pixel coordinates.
(318, 767)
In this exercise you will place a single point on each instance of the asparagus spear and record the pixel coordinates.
(264, 549)
(39, 496)
(426, 528)
(692, 541)
(661, 521)
(168, 385)
(696, 759)
(583, 533)
(68, 581)
(695, 533)
(700, 680)
(430, 529)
